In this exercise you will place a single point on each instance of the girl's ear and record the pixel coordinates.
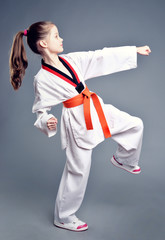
(43, 43)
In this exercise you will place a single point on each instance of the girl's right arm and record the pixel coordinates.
(52, 123)
(45, 122)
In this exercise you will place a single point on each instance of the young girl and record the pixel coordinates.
(86, 120)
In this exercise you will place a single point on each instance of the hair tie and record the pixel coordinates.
(25, 32)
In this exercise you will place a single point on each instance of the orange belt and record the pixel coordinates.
(84, 98)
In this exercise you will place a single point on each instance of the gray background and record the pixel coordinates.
(117, 205)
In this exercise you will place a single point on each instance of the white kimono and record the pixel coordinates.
(51, 90)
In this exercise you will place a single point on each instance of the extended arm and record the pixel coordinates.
(107, 60)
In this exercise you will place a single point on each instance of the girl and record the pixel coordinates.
(86, 120)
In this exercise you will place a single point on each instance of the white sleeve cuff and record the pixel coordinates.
(41, 124)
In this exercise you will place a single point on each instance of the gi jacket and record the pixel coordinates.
(54, 87)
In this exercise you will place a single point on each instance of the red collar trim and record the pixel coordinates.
(58, 75)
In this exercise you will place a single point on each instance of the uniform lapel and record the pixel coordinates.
(74, 81)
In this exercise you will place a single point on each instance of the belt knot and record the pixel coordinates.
(84, 98)
(86, 93)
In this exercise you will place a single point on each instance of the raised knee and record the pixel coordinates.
(139, 124)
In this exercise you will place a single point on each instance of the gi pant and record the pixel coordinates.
(127, 132)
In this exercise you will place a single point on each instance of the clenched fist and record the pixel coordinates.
(145, 50)
(52, 123)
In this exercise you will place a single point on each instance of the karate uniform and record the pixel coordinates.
(53, 87)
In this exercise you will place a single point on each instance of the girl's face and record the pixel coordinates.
(54, 44)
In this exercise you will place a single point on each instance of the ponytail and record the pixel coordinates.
(18, 61)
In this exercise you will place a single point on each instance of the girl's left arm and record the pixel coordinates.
(145, 50)
(107, 60)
